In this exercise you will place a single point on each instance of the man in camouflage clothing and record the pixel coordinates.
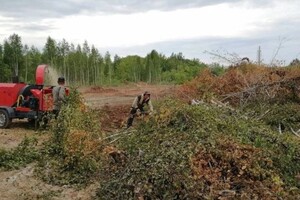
(138, 106)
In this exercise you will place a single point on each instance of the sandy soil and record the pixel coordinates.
(19, 129)
(123, 95)
(22, 184)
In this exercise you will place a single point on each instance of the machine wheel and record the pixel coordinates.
(5, 121)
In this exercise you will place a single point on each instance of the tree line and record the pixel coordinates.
(83, 64)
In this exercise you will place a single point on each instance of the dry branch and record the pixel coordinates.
(262, 88)
(295, 132)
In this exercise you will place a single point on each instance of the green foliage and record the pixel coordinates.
(217, 70)
(130, 69)
(84, 65)
(182, 70)
(277, 114)
(164, 156)
(6, 73)
(12, 55)
(4, 68)
(23, 154)
(72, 154)
(50, 51)
(282, 119)
(32, 58)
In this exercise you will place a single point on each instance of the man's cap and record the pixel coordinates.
(61, 79)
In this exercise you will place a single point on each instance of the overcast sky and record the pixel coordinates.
(135, 27)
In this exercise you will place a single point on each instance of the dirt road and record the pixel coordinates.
(98, 96)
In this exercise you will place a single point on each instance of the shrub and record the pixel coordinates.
(73, 152)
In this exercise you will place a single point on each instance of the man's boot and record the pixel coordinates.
(129, 122)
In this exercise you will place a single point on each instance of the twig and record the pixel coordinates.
(118, 138)
(232, 61)
(255, 88)
(210, 166)
(281, 40)
(279, 128)
(111, 136)
(295, 132)
(190, 98)
(227, 192)
(264, 114)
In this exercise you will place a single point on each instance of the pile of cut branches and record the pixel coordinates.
(201, 151)
(247, 83)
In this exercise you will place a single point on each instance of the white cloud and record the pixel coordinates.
(157, 26)
(225, 25)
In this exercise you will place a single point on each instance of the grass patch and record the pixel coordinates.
(25, 153)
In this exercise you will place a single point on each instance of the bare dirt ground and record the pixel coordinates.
(98, 96)
(113, 101)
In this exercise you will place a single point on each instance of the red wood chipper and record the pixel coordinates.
(26, 101)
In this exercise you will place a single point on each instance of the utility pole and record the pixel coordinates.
(259, 56)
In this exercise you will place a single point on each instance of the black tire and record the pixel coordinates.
(5, 121)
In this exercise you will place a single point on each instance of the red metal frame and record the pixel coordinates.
(9, 93)
(23, 109)
(44, 95)
(40, 74)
